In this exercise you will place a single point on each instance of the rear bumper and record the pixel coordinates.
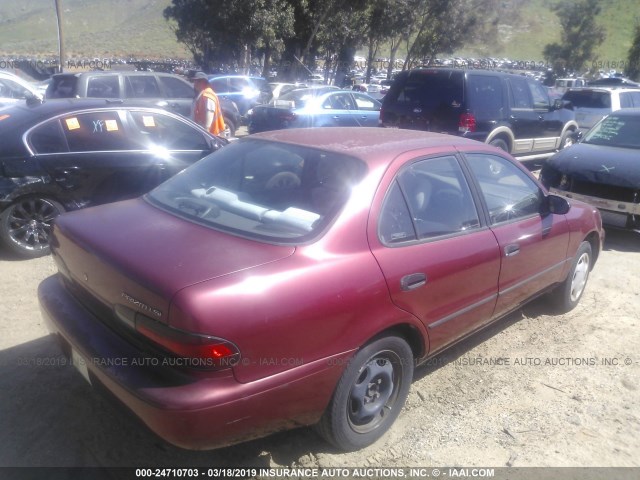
(190, 409)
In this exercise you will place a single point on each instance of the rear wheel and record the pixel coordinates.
(369, 395)
(567, 139)
(499, 143)
(567, 295)
(25, 226)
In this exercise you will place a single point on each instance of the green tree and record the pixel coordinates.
(580, 35)
(633, 59)
(225, 33)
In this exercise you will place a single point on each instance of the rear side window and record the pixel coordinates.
(48, 138)
(485, 95)
(142, 87)
(107, 86)
(365, 103)
(176, 88)
(95, 131)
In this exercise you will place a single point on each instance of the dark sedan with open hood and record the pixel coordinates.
(603, 169)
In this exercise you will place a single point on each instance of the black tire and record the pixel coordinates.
(567, 295)
(499, 143)
(25, 226)
(370, 394)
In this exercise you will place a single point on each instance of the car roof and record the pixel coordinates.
(373, 145)
(133, 73)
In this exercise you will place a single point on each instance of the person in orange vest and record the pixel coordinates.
(206, 106)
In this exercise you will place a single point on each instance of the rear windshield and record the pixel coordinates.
(588, 99)
(265, 190)
(616, 131)
(429, 89)
(62, 87)
(301, 97)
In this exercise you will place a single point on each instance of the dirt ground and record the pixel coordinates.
(533, 390)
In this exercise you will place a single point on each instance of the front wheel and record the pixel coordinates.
(567, 295)
(567, 139)
(25, 226)
(370, 394)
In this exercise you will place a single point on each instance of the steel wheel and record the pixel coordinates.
(25, 226)
(567, 295)
(370, 394)
(374, 393)
(580, 275)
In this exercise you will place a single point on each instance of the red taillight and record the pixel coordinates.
(193, 350)
(467, 123)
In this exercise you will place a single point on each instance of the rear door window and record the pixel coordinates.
(520, 93)
(107, 86)
(95, 132)
(431, 199)
(176, 88)
(142, 87)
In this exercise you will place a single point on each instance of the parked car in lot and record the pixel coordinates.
(592, 104)
(14, 90)
(603, 169)
(70, 154)
(295, 277)
(163, 90)
(511, 112)
(315, 107)
(244, 91)
(280, 88)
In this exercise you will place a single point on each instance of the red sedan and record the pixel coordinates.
(296, 277)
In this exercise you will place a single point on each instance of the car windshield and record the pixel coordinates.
(588, 99)
(616, 131)
(265, 190)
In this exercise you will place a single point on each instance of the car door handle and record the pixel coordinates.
(511, 250)
(336, 117)
(413, 281)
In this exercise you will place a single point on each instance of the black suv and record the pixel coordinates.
(512, 112)
(162, 90)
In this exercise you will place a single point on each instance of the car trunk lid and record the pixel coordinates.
(131, 256)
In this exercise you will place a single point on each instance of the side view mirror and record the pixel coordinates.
(577, 136)
(555, 204)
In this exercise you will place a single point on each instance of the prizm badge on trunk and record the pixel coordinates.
(142, 306)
